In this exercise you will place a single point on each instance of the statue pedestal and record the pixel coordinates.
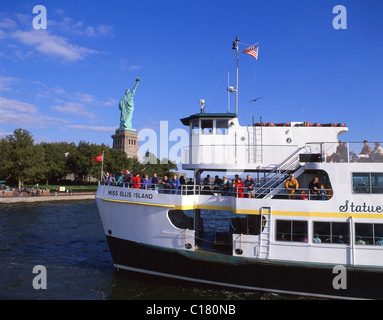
(126, 140)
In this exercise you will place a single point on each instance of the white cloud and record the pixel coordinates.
(99, 31)
(75, 108)
(52, 45)
(6, 82)
(7, 23)
(23, 114)
(85, 97)
(92, 128)
(3, 133)
(50, 42)
(125, 66)
(3, 35)
(110, 102)
(18, 106)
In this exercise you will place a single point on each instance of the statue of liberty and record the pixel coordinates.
(127, 107)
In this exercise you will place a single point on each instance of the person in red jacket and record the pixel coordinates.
(239, 188)
(136, 181)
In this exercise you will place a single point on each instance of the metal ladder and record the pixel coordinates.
(258, 145)
(255, 145)
(265, 233)
(279, 173)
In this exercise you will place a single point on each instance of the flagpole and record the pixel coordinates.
(102, 166)
(228, 92)
(236, 94)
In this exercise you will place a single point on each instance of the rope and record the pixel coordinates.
(215, 91)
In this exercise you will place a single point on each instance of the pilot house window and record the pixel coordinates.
(194, 127)
(207, 126)
(221, 126)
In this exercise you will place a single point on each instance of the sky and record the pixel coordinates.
(64, 83)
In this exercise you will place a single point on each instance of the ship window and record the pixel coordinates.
(361, 182)
(222, 126)
(368, 234)
(291, 230)
(194, 127)
(364, 234)
(377, 182)
(207, 126)
(331, 232)
(250, 224)
(366, 182)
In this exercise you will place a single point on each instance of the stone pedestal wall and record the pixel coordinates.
(126, 140)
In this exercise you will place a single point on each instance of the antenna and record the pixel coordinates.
(228, 92)
(236, 47)
(202, 104)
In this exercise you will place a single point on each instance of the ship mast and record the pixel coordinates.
(236, 47)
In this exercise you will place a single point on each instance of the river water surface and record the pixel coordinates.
(67, 239)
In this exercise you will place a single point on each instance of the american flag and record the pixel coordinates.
(253, 51)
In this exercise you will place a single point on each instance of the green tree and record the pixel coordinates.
(116, 161)
(151, 164)
(55, 159)
(20, 159)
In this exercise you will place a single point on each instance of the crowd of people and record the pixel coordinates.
(134, 181)
(315, 190)
(238, 187)
(367, 154)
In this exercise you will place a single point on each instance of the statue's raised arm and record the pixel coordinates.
(136, 85)
(127, 107)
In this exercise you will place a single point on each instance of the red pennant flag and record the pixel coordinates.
(98, 158)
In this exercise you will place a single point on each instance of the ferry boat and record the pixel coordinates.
(297, 242)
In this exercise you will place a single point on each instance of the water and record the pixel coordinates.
(68, 239)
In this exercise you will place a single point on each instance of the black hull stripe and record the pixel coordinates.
(242, 273)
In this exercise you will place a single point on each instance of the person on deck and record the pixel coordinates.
(225, 184)
(249, 184)
(314, 188)
(174, 184)
(146, 183)
(127, 179)
(291, 186)
(136, 181)
(239, 188)
(155, 181)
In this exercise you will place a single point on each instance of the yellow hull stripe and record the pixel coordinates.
(250, 211)
(141, 203)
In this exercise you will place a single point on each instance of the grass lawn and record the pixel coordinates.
(53, 187)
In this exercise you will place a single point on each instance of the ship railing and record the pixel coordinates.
(239, 154)
(346, 152)
(281, 171)
(232, 191)
(281, 193)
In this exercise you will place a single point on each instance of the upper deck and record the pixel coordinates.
(218, 142)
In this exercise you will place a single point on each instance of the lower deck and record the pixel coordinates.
(278, 237)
